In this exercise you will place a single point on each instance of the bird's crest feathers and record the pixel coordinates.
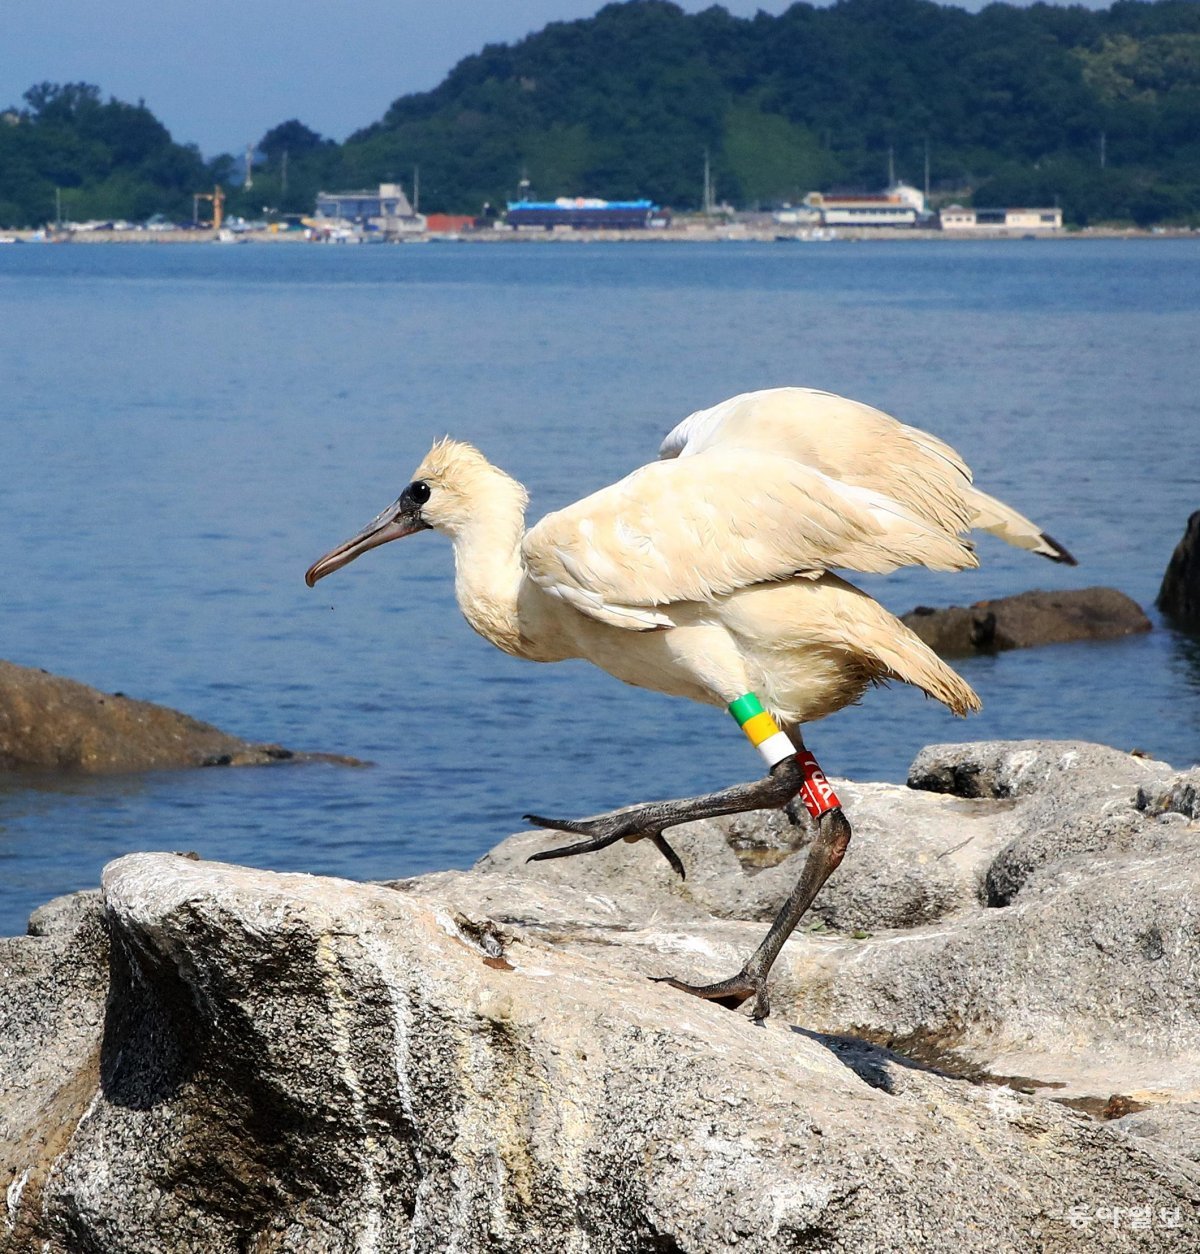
(465, 483)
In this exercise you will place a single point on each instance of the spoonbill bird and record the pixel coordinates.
(709, 574)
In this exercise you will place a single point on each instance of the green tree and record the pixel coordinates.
(99, 159)
(1099, 109)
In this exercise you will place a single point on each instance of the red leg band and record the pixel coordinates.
(816, 793)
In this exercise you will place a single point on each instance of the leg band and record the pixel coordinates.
(817, 795)
(761, 729)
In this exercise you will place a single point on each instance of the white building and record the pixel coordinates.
(386, 211)
(956, 218)
(900, 205)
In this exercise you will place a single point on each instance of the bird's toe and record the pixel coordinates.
(591, 845)
(602, 831)
(605, 828)
(732, 993)
(578, 827)
(676, 863)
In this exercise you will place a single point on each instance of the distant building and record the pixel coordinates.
(449, 223)
(956, 218)
(583, 213)
(900, 205)
(386, 211)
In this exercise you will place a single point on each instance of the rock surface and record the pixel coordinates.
(474, 1060)
(52, 998)
(1028, 619)
(51, 723)
(1179, 595)
(1031, 909)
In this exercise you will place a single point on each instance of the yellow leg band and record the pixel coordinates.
(759, 728)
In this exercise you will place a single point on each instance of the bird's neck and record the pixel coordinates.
(488, 571)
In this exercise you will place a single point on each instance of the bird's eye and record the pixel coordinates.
(419, 491)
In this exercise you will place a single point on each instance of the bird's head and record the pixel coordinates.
(448, 491)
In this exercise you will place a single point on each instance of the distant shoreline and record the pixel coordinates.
(686, 235)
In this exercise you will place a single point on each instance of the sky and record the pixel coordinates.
(221, 73)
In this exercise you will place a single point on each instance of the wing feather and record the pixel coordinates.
(863, 447)
(852, 620)
(700, 527)
(779, 484)
(844, 439)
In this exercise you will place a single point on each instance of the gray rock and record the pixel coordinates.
(1022, 768)
(1077, 841)
(53, 986)
(1028, 619)
(50, 723)
(475, 1060)
(1178, 795)
(915, 860)
(293, 1063)
(64, 914)
(1179, 595)
(1087, 985)
(1174, 1126)
(1077, 798)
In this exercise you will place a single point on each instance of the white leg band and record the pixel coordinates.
(776, 748)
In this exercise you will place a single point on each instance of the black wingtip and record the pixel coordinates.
(1060, 554)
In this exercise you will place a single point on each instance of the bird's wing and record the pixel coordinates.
(1014, 528)
(847, 618)
(705, 525)
(864, 447)
(846, 440)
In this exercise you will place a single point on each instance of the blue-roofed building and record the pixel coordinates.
(583, 213)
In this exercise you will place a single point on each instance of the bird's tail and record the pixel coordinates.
(1003, 521)
(909, 658)
(852, 620)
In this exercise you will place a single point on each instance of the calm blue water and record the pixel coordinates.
(184, 429)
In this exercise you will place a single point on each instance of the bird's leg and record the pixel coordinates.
(648, 821)
(798, 776)
(784, 780)
(826, 852)
(794, 773)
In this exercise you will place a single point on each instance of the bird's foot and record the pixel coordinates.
(629, 823)
(731, 993)
(649, 820)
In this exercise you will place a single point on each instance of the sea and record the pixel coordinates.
(185, 428)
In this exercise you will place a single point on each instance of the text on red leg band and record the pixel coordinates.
(816, 793)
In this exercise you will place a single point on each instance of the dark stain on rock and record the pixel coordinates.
(1150, 944)
(1103, 1108)
(484, 935)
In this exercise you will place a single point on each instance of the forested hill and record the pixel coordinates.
(68, 149)
(1096, 111)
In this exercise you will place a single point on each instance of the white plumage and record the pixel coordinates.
(709, 573)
